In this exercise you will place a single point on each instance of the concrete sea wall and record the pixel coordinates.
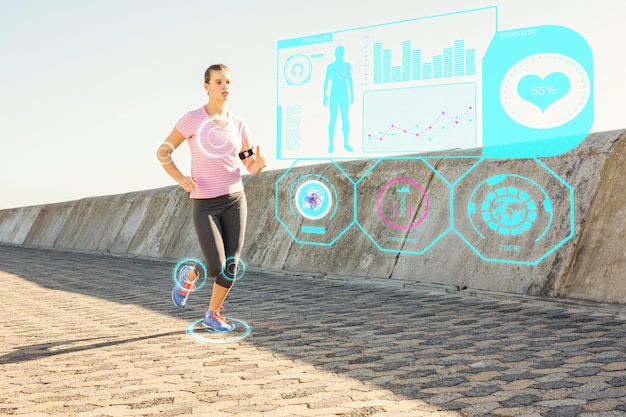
(581, 253)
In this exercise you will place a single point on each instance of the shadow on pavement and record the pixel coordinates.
(44, 350)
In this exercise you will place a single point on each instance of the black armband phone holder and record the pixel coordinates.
(243, 155)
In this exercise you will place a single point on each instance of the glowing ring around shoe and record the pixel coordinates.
(241, 269)
(246, 332)
(194, 261)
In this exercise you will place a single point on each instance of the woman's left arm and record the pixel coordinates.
(255, 162)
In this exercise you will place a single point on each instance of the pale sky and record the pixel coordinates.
(89, 89)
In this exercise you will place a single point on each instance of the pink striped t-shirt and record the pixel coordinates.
(214, 152)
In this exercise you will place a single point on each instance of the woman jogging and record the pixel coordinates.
(218, 139)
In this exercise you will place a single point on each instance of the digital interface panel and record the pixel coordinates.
(399, 88)
(423, 90)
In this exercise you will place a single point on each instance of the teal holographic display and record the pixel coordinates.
(410, 94)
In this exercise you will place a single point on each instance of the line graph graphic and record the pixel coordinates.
(426, 132)
(420, 119)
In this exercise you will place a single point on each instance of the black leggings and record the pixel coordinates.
(220, 224)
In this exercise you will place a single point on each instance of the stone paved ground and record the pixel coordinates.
(90, 335)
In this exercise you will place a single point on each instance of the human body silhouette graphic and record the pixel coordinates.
(339, 75)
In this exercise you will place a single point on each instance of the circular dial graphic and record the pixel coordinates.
(510, 205)
(216, 140)
(509, 211)
(313, 199)
(545, 90)
(298, 69)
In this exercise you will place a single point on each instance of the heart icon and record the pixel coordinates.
(543, 92)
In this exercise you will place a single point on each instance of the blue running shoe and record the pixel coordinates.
(184, 286)
(214, 321)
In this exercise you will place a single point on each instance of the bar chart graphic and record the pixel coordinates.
(453, 61)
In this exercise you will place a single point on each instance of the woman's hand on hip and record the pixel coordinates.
(188, 184)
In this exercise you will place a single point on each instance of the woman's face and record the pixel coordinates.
(219, 85)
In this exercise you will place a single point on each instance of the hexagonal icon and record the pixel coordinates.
(315, 203)
(513, 211)
(403, 205)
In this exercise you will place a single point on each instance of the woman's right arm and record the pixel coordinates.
(164, 155)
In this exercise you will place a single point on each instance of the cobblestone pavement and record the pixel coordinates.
(92, 335)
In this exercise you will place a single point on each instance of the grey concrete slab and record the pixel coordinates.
(94, 335)
(572, 250)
